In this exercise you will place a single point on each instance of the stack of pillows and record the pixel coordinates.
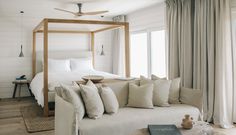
(69, 65)
(95, 100)
(154, 92)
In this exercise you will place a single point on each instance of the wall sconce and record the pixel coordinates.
(102, 52)
(21, 52)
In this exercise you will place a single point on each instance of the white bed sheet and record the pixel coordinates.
(54, 80)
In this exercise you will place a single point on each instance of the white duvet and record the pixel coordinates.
(54, 80)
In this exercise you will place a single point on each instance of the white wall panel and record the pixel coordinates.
(151, 17)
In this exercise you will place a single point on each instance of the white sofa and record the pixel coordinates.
(127, 120)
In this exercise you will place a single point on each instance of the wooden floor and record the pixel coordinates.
(11, 121)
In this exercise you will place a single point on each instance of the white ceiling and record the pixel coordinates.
(45, 8)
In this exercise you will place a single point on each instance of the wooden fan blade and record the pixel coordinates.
(65, 11)
(93, 13)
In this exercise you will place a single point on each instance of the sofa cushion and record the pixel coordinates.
(174, 91)
(121, 90)
(191, 96)
(109, 99)
(92, 100)
(160, 90)
(128, 120)
(140, 96)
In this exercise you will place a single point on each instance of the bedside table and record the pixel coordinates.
(20, 83)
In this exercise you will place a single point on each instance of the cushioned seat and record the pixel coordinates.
(129, 119)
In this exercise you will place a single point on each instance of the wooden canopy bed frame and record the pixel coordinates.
(43, 28)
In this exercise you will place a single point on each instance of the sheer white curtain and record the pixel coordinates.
(206, 62)
(118, 51)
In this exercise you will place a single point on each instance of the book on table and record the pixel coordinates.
(163, 130)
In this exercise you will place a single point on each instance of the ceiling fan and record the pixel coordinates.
(80, 13)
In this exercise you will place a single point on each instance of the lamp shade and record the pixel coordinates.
(21, 52)
(102, 52)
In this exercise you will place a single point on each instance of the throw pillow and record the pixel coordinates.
(72, 95)
(154, 77)
(160, 90)
(109, 99)
(92, 100)
(140, 96)
(174, 91)
(191, 96)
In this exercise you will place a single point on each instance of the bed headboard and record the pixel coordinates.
(60, 55)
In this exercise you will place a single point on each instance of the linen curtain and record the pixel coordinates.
(234, 60)
(205, 61)
(118, 52)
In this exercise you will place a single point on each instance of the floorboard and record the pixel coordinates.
(11, 121)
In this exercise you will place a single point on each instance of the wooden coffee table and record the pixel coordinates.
(199, 128)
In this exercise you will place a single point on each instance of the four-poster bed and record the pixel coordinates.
(43, 27)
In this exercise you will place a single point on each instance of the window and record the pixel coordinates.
(138, 55)
(147, 54)
(158, 59)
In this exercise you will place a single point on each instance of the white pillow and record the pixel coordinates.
(55, 65)
(92, 100)
(160, 90)
(109, 99)
(140, 96)
(81, 64)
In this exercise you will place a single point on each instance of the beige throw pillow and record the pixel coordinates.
(174, 91)
(92, 100)
(109, 99)
(72, 95)
(140, 96)
(154, 77)
(160, 90)
(191, 97)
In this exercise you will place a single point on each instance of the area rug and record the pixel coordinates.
(34, 119)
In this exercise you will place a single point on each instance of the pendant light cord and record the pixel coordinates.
(21, 26)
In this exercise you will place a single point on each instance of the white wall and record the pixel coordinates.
(148, 18)
(11, 66)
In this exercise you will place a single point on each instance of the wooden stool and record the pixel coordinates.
(20, 83)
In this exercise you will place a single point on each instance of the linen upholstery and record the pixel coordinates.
(93, 102)
(65, 120)
(122, 122)
(109, 99)
(140, 96)
(128, 120)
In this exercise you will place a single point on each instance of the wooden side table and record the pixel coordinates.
(20, 83)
